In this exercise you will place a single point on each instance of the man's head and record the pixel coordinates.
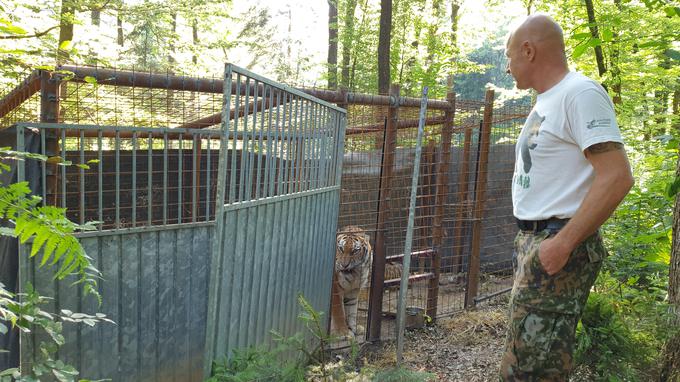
(535, 52)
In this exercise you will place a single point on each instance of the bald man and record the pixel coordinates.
(571, 172)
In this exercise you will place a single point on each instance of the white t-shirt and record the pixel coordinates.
(552, 174)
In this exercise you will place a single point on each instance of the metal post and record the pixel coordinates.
(473, 266)
(378, 274)
(462, 207)
(441, 194)
(406, 262)
(49, 113)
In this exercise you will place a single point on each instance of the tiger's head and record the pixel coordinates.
(353, 247)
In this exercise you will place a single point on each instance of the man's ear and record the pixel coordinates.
(529, 50)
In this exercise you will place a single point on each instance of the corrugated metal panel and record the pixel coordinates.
(261, 275)
(154, 286)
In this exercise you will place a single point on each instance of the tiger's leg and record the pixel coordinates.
(338, 318)
(351, 301)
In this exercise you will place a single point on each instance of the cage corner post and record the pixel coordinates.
(480, 194)
(50, 109)
(380, 253)
(441, 193)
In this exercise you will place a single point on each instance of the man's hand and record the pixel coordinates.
(553, 255)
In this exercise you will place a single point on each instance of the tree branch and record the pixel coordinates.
(38, 34)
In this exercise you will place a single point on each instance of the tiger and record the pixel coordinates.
(353, 259)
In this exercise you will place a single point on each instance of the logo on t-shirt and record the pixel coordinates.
(528, 139)
(595, 123)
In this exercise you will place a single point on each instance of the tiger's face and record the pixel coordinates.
(353, 246)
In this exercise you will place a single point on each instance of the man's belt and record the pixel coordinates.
(540, 225)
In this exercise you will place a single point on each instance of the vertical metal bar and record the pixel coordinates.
(270, 167)
(43, 167)
(296, 157)
(217, 258)
(21, 147)
(180, 175)
(462, 207)
(441, 194)
(285, 148)
(234, 139)
(259, 178)
(378, 274)
(166, 165)
(406, 262)
(63, 168)
(134, 179)
(100, 207)
(207, 178)
(49, 112)
(82, 177)
(243, 185)
(117, 145)
(473, 271)
(194, 198)
(149, 181)
(278, 148)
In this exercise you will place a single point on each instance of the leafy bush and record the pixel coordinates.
(619, 339)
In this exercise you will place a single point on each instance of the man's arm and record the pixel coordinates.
(613, 180)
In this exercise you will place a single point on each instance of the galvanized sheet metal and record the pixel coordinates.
(154, 286)
(262, 274)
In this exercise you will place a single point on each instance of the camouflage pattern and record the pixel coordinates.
(544, 309)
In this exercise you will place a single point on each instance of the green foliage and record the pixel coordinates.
(619, 335)
(261, 364)
(47, 229)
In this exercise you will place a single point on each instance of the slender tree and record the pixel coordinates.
(384, 46)
(348, 38)
(332, 61)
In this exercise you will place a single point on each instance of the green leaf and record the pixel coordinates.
(83, 166)
(607, 35)
(672, 54)
(594, 42)
(673, 187)
(90, 80)
(12, 29)
(40, 239)
(651, 44)
(66, 45)
(579, 50)
(93, 161)
(672, 11)
(581, 36)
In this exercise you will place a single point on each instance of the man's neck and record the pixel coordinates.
(550, 78)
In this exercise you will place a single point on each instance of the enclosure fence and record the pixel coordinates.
(148, 152)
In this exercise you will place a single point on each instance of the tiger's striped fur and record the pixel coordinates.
(353, 258)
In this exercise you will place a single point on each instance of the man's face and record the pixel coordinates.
(516, 63)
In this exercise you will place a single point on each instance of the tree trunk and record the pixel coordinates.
(194, 33)
(332, 44)
(96, 16)
(529, 3)
(616, 71)
(455, 7)
(670, 371)
(119, 23)
(595, 33)
(384, 46)
(65, 29)
(347, 41)
(171, 43)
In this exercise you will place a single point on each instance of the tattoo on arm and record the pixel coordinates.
(603, 147)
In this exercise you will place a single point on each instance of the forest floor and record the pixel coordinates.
(465, 347)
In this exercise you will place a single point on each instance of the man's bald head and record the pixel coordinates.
(542, 31)
(535, 51)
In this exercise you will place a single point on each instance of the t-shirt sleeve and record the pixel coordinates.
(592, 120)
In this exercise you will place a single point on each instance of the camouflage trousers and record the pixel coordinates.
(544, 309)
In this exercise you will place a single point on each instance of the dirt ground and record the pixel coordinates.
(466, 347)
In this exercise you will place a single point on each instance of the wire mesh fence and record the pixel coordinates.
(163, 168)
